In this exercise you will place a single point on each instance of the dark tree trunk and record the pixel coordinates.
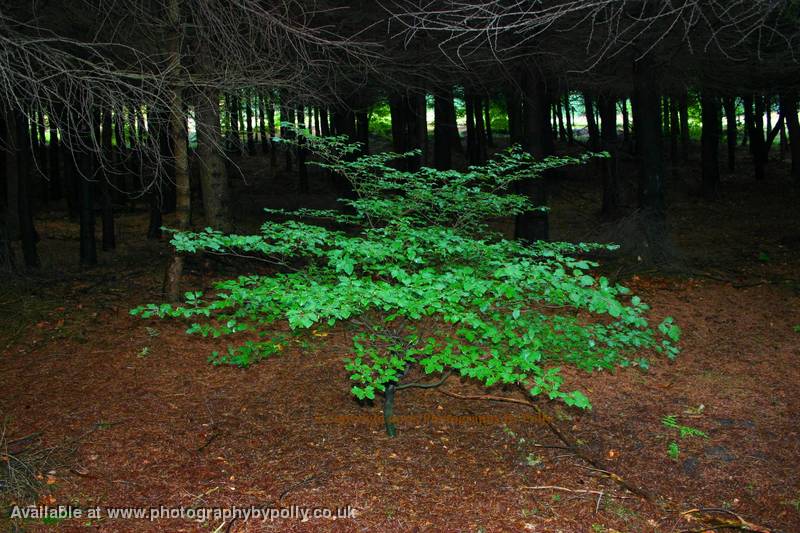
(568, 115)
(562, 132)
(665, 116)
(323, 121)
(647, 126)
(213, 174)
(88, 244)
(516, 127)
(608, 137)
(789, 110)
(683, 111)
(18, 166)
(674, 130)
(248, 110)
(302, 169)
(731, 131)
(480, 130)
(41, 155)
(287, 117)
(406, 128)
(362, 130)
(487, 117)
(234, 111)
(747, 104)
(421, 122)
(54, 166)
(535, 225)
(263, 136)
(109, 241)
(626, 125)
(710, 145)
(473, 151)
(768, 112)
(271, 124)
(442, 130)
(591, 123)
(12, 172)
(757, 143)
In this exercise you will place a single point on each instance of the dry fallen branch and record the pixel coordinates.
(710, 519)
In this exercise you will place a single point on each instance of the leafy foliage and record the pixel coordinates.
(412, 264)
(671, 421)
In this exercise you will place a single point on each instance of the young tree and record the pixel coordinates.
(429, 288)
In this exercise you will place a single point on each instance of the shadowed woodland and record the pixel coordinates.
(452, 265)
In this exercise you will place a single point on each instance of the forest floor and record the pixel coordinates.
(124, 412)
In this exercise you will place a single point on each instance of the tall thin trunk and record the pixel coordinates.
(213, 174)
(647, 126)
(626, 125)
(789, 110)
(472, 140)
(109, 241)
(263, 136)
(271, 124)
(568, 116)
(710, 145)
(323, 121)
(251, 141)
(442, 136)
(757, 142)
(362, 129)
(683, 111)
(88, 243)
(233, 113)
(562, 132)
(18, 131)
(480, 131)
(535, 225)
(54, 167)
(731, 132)
(591, 123)
(674, 130)
(608, 138)
(177, 119)
(487, 118)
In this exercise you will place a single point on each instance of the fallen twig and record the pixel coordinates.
(710, 521)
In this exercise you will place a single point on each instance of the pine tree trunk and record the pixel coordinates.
(251, 141)
(789, 110)
(109, 239)
(710, 145)
(674, 131)
(647, 126)
(626, 125)
(683, 111)
(591, 124)
(534, 225)
(442, 131)
(487, 118)
(568, 116)
(54, 167)
(480, 131)
(608, 137)
(757, 142)
(177, 119)
(213, 174)
(731, 133)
